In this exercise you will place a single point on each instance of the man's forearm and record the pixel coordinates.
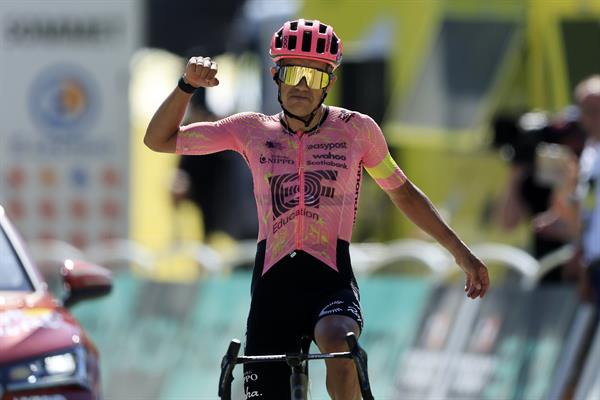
(161, 134)
(417, 207)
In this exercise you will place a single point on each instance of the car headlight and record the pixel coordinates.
(61, 364)
(62, 368)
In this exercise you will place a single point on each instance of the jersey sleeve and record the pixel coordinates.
(210, 137)
(379, 162)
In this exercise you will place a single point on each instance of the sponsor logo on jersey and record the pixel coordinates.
(250, 376)
(354, 308)
(346, 115)
(285, 190)
(333, 307)
(326, 146)
(273, 145)
(251, 394)
(323, 163)
(330, 156)
(275, 159)
(302, 212)
(357, 189)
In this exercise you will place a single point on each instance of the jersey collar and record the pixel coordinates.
(287, 130)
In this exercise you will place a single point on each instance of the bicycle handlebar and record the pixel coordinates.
(356, 353)
(289, 356)
(227, 364)
(360, 360)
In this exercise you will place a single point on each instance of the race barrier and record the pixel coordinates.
(165, 340)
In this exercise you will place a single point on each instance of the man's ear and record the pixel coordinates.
(274, 74)
(331, 82)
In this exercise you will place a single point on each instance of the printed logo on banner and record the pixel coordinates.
(79, 239)
(46, 235)
(111, 177)
(110, 208)
(16, 177)
(79, 177)
(48, 176)
(78, 208)
(16, 208)
(47, 208)
(64, 101)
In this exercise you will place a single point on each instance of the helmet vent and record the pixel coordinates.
(321, 45)
(334, 45)
(308, 23)
(306, 40)
(278, 39)
(322, 28)
(292, 42)
(294, 26)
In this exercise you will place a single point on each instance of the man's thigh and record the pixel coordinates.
(271, 329)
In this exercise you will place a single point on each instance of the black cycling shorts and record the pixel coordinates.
(287, 302)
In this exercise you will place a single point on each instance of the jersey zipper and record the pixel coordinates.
(300, 224)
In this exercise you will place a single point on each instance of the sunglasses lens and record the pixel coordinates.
(293, 74)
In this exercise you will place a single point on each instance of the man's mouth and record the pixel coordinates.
(299, 97)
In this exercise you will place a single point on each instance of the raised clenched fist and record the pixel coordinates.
(200, 72)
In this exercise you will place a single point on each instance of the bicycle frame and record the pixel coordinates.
(297, 361)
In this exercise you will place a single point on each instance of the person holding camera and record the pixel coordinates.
(576, 202)
(544, 157)
(586, 198)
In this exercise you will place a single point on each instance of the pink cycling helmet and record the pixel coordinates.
(311, 40)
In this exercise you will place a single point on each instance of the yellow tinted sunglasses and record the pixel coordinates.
(293, 74)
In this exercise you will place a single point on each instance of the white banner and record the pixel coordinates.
(64, 135)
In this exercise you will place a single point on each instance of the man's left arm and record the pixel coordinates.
(419, 209)
(416, 206)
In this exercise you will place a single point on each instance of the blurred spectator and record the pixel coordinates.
(575, 205)
(219, 184)
(252, 31)
(190, 27)
(587, 95)
(542, 150)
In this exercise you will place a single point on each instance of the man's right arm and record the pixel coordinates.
(161, 134)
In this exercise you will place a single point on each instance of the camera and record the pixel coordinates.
(540, 142)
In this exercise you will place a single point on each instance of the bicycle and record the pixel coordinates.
(299, 365)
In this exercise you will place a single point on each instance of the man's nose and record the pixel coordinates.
(302, 84)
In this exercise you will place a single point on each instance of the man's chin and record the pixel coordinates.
(300, 112)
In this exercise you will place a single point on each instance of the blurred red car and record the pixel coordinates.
(44, 353)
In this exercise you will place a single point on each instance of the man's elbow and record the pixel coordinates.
(155, 144)
(151, 143)
(407, 196)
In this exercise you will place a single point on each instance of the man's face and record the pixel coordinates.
(300, 99)
(590, 114)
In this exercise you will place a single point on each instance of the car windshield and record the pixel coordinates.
(12, 273)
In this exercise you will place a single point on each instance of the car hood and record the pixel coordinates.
(32, 324)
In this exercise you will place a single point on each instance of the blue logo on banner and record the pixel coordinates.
(64, 101)
(79, 177)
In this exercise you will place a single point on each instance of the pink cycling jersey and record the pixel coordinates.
(307, 184)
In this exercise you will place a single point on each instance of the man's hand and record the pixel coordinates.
(478, 281)
(417, 207)
(200, 72)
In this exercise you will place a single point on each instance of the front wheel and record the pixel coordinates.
(299, 386)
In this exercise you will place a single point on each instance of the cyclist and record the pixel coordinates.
(306, 164)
